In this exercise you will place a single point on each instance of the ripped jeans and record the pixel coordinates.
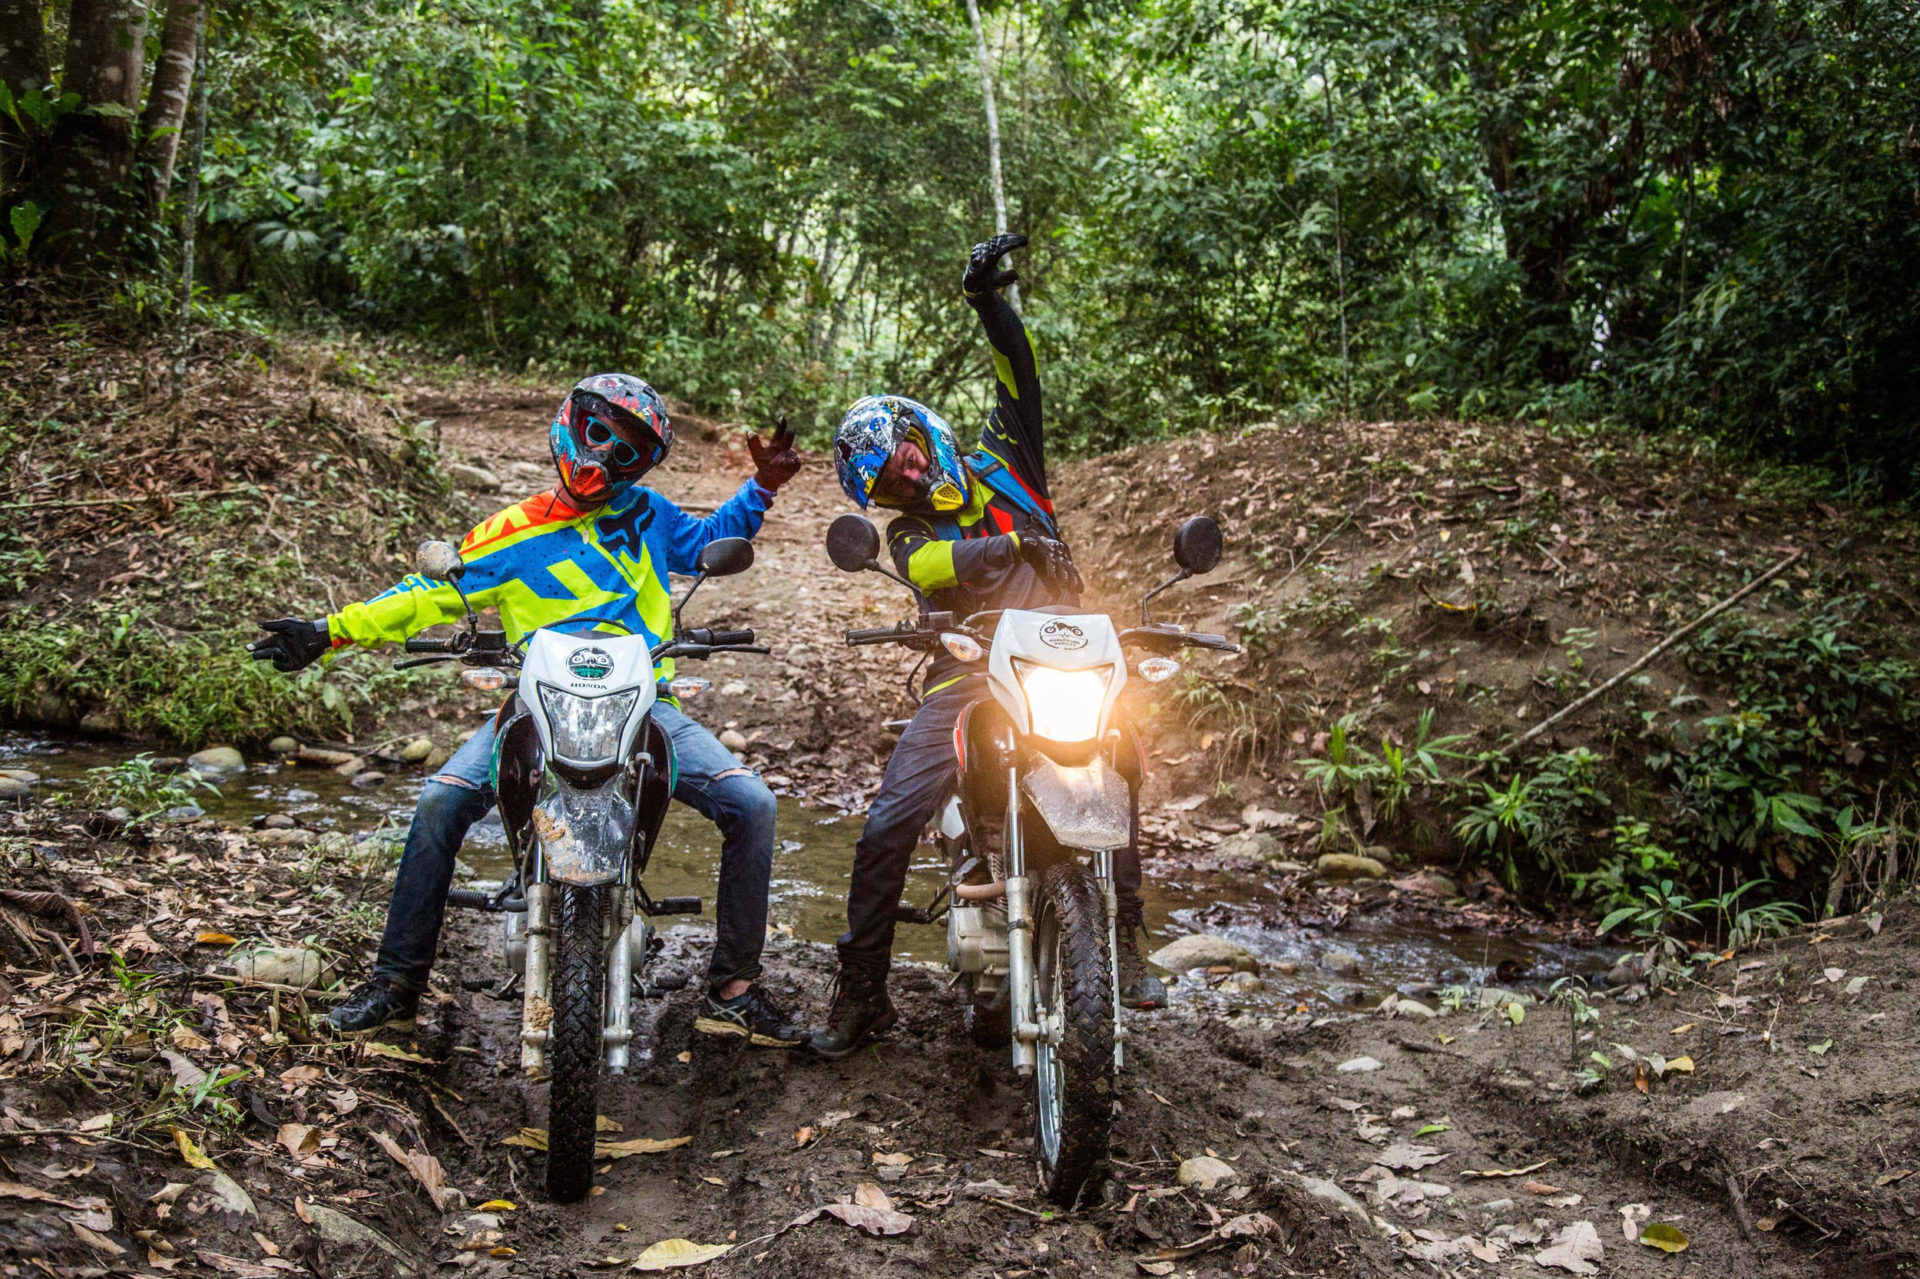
(712, 783)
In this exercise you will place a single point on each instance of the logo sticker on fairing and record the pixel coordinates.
(1064, 635)
(591, 663)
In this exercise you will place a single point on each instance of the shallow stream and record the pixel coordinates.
(810, 877)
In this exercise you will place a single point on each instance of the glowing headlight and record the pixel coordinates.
(586, 730)
(1063, 706)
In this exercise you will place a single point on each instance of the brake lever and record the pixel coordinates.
(407, 663)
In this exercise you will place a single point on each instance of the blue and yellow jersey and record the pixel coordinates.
(543, 561)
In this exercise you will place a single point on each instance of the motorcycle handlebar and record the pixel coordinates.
(880, 635)
(724, 639)
(407, 663)
(422, 644)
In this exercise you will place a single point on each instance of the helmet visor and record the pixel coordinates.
(619, 441)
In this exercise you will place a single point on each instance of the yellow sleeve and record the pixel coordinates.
(407, 609)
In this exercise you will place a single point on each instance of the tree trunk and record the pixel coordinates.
(993, 133)
(91, 156)
(23, 66)
(167, 99)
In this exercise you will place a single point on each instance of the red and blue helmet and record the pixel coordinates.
(870, 432)
(611, 429)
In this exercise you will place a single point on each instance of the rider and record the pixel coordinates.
(598, 546)
(973, 534)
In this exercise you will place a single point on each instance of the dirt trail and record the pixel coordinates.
(1780, 1148)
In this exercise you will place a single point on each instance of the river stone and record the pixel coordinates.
(288, 837)
(733, 688)
(351, 766)
(367, 780)
(1252, 846)
(1204, 950)
(217, 759)
(1242, 983)
(278, 821)
(734, 740)
(284, 745)
(100, 723)
(437, 758)
(185, 813)
(1204, 1172)
(120, 816)
(284, 966)
(417, 750)
(1348, 866)
(1346, 994)
(1401, 1006)
(477, 478)
(20, 775)
(1429, 883)
(13, 788)
(1344, 962)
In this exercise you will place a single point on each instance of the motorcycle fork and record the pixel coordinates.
(1103, 874)
(1026, 1030)
(536, 1005)
(617, 1019)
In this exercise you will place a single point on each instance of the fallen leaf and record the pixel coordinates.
(804, 1136)
(1429, 1129)
(1835, 974)
(1857, 985)
(215, 939)
(1507, 1172)
(496, 1205)
(684, 1058)
(892, 1159)
(185, 1038)
(1681, 1066)
(603, 1124)
(300, 1076)
(1574, 1250)
(1892, 1177)
(637, 1146)
(299, 1139)
(343, 1101)
(868, 1195)
(1157, 1097)
(1155, 1267)
(502, 1251)
(58, 1173)
(1403, 1157)
(185, 1073)
(194, 1156)
(376, 1049)
(1540, 1188)
(674, 1254)
(1681, 1030)
(1631, 1215)
(17, 1190)
(531, 1138)
(1666, 1238)
(873, 1221)
(1820, 1049)
(1357, 1065)
(715, 1181)
(427, 1171)
(95, 1240)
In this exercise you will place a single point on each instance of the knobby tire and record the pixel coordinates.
(1072, 919)
(573, 1044)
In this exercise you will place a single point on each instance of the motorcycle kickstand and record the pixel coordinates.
(508, 989)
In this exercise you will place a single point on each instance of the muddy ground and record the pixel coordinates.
(1767, 1111)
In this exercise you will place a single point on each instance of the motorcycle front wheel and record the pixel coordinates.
(574, 1039)
(1073, 997)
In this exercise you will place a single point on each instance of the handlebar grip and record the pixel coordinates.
(421, 644)
(876, 635)
(732, 637)
(1201, 639)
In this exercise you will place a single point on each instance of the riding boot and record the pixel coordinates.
(860, 1011)
(1139, 988)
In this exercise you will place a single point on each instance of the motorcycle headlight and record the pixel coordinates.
(1063, 706)
(586, 730)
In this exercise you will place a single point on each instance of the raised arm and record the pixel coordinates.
(1013, 431)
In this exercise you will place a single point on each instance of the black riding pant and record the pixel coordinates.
(919, 778)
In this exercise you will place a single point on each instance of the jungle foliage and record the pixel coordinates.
(1681, 215)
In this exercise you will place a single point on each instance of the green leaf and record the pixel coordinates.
(1820, 1049)
(1616, 917)
(1665, 1237)
(1516, 1013)
(1430, 1129)
(25, 218)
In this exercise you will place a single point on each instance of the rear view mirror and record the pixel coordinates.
(726, 556)
(440, 561)
(1196, 545)
(852, 543)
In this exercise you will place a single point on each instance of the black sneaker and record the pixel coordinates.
(860, 1010)
(1139, 988)
(751, 1015)
(375, 1005)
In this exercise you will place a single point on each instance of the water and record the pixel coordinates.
(815, 854)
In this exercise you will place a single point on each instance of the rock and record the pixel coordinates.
(1204, 1172)
(734, 740)
(1258, 818)
(20, 775)
(1345, 994)
(1401, 1006)
(322, 758)
(217, 759)
(1380, 853)
(476, 478)
(298, 796)
(1630, 969)
(1344, 962)
(13, 789)
(1357, 1066)
(120, 816)
(337, 1227)
(1204, 950)
(1714, 1104)
(353, 764)
(284, 966)
(292, 837)
(437, 759)
(367, 780)
(283, 745)
(1242, 984)
(1428, 883)
(278, 821)
(416, 751)
(1250, 846)
(100, 724)
(733, 688)
(1348, 866)
(186, 813)
(1325, 1191)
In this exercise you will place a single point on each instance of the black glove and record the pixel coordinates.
(985, 260)
(774, 461)
(290, 643)
(1052, 560)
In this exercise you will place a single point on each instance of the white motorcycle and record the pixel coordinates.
(1047, 792)
(584, 776)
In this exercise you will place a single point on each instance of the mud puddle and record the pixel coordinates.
(1300, 963)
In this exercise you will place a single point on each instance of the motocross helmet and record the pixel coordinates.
(611, 429)
(873, 428)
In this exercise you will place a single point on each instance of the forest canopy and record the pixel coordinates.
(1676, 216)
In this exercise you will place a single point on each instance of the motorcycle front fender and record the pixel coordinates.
(585, 834)
(1086, 807)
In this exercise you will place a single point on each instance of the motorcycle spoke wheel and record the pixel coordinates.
(1073, 996)
(574, 1039)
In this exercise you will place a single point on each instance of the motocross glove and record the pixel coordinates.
(1053, 561)
(983, 265)
(774, 461)
(290, 643)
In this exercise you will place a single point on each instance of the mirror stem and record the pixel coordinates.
(873, 566)
(1175, 580)
(683, 601)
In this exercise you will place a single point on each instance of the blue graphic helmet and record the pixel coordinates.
(610, 430)
(870, 432)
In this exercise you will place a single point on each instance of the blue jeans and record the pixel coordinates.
(712, 783)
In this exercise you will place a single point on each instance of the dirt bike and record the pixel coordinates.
(1047, 792)
(584, 776)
